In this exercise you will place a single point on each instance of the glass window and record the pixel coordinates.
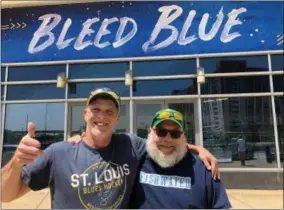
(248, 84)
(28, 73)
(82, 90)
(279, 106)
(3, 73)
(2, 92)
(165, 87)
(48, 118)
(29, 92)
(239, 131)
(277, 62)
(169, 67)
(278, 83)
(98, 70)
(235, 64)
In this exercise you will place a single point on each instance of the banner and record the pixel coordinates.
(139, 29)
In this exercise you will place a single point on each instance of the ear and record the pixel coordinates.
(85, 113)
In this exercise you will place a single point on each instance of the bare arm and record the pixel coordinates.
(27, 151)
(12, 185)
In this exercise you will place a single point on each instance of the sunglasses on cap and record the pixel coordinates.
(168, 114)
(161, 132)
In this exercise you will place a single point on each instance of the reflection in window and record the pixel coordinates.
(144, 116)
(278, 83)
(235, 64)
(277, 62)
(29, 92)
(26, 73)
(226, 120)
(98, 70)
(169, 67)
(250, 84)
(82, 90)
(2, 92)
(279, 106)
(165, 87)
(48, 118)
(3, 73)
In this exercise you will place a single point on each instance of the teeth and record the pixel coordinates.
(101, 123)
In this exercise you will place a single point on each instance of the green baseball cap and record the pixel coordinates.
(168, 114)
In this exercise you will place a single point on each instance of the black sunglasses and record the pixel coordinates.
(175, 134)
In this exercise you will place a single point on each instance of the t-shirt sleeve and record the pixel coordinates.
(139, 145)
(38, 175)
(217, 197)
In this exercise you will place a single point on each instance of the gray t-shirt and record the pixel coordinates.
(82, 177)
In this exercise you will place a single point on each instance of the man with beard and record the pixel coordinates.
(97, 172)
(171, 177)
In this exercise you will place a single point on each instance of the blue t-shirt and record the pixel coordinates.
(83, 177)
(187, 185)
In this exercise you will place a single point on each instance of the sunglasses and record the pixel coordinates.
(175, 134)
(167, 114)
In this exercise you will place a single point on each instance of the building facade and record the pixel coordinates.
(168, 48)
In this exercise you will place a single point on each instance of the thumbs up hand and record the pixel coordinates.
(29, 148)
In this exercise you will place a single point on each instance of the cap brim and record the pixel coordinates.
(103, 95)
(162, 120)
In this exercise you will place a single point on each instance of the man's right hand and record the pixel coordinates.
(29, 148)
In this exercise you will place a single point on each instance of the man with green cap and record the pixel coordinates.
(170, 176)
(97, 172)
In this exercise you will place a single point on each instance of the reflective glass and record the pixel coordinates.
(144, 116)
(248, 84)
(2, 92)
(236, 129)
(27, 73)
(82, 90)
(29, 92)
(235, 64)
(278, 83)
(47, 117)
(165, 87)
(3, 73)
(279, 106)
(168, 67)
(277, 62)
(98, 70)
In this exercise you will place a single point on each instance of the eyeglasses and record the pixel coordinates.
(175, 134)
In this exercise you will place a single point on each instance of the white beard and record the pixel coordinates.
(169, 160)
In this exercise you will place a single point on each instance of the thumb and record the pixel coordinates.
(31, 129)
(207, 164)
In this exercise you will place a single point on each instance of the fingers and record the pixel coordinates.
(31, 129)
(74, 139)
(28, 150)
(214, 168)
(207, 164)
(27, 140)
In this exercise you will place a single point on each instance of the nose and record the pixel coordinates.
(168, 137)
